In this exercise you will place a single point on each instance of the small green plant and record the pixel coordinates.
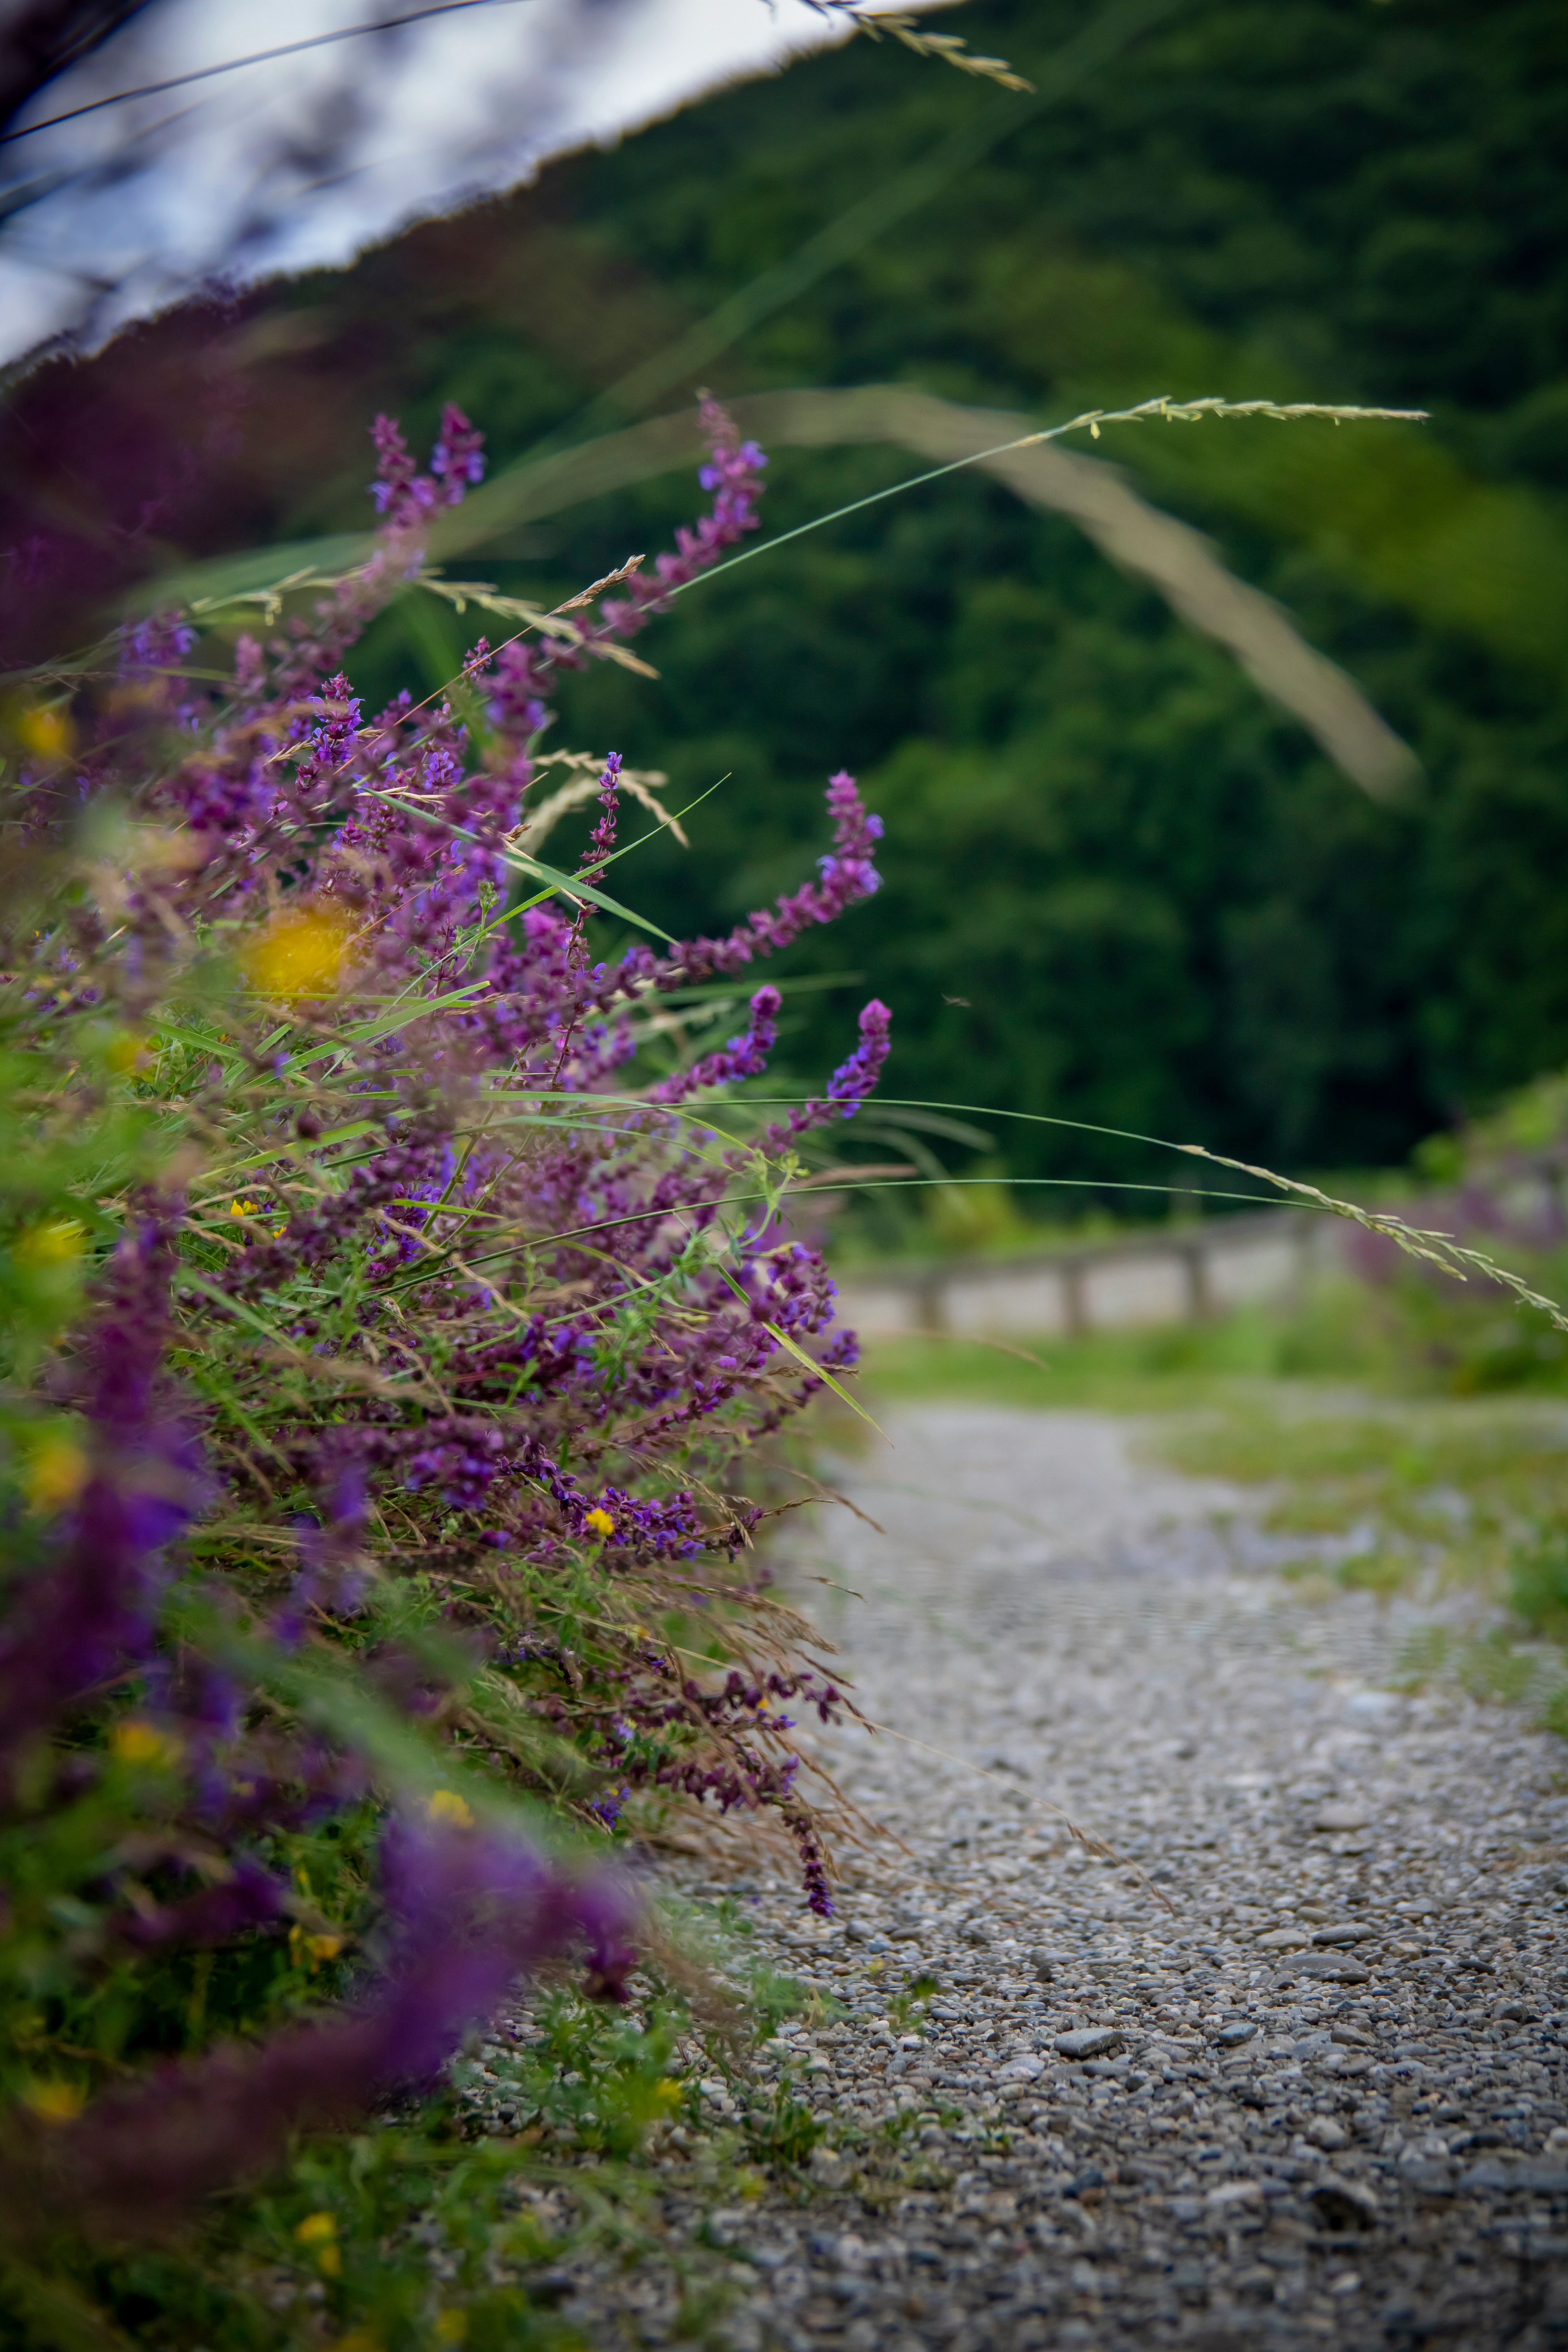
(1553, 1714)
(1384, 1571)
(1538, 1581)
(910, 2000)
(782, 2129)
(773, 1995)
(1494, 1667)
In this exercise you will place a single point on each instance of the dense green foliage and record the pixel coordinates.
(1164, 908)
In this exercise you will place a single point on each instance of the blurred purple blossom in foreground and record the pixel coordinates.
(470, 1911)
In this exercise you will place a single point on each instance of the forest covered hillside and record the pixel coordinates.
(1121, 885)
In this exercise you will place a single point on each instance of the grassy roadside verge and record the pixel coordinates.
(1157, 1372)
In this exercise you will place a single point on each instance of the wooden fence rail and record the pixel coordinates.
(1175, 1274)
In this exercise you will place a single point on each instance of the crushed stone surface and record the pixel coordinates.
(1289, 2070)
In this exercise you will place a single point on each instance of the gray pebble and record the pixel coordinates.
(1342, 1816)
(1087, 2041)
(1328, 1968)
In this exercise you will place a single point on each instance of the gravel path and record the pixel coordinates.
(1318, 2099)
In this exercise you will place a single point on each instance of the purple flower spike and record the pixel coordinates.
(91, 1610)
(745, 1057)
(458, 461)
(602, 840)
(856, 1078)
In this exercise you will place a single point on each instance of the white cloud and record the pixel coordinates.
(303, 161)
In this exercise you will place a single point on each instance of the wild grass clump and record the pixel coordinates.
(394, 1295)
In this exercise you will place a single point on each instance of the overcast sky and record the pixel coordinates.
(305, 160)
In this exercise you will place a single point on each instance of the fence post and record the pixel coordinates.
(1199, 1294)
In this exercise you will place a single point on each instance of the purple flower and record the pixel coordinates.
(459, 458)
(602, 840)
(162, 642)
(856, 1078)
(92, 1609)
(745, 1057)
(607, 1808)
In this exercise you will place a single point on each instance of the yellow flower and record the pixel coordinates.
(320, 2231)
(55, 2102)
(54, 1242)
(300, 955)
(666, 2091)
(445, 1805)
(600, 1521)
(127, 1052)
(315, 1949)
(244, 1208)
(136, 1741)
(57, 1473)
(47, 733)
